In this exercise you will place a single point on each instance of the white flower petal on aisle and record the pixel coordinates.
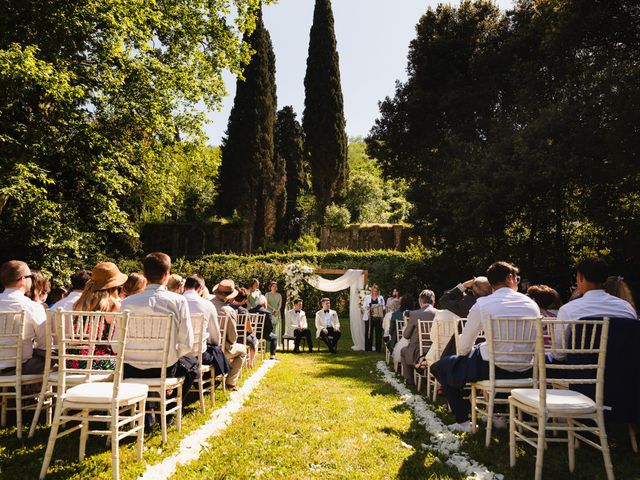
(443, 441)
(192, 445)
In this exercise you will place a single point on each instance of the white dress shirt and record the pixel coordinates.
(596, 303)
(66, 304)
(156, 299)
(197, 304)
(504, 302)
(14, 300)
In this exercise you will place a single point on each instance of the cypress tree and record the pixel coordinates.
(247, 169)
(289, 139)
(323, 121)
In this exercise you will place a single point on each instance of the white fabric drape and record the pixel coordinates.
(354, 280)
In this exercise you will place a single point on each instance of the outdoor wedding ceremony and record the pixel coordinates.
(319, 239)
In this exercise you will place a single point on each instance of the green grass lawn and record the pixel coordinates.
(313, 416)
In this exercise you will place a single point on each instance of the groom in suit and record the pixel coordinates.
(295, 322)
(328, 326)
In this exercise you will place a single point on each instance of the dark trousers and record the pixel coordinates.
(214, 356)
(331, 338)
(273, 344)
(300, 333)
(186, 367)
(372, 327)
(454, 371)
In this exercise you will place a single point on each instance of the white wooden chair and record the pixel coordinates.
(442, 330)
(115, 403)
(241, 330)
(584, 341)
(257, 322)
(205, 380)
(222, 378)
(50, 383)
(400, 324)
(511, 346)
(424, 335)
(12, 325)
(148, 344)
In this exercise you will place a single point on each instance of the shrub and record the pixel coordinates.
(337, 216)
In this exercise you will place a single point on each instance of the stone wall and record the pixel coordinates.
(365, 237)
(192, 240)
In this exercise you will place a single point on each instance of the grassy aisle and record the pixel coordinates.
(320, 416)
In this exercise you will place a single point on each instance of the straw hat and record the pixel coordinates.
(104, 276)
(226, 289)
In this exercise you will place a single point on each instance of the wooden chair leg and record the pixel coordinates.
(53, 435)
(140, 425)
(201, 393)
(163, 416)
(571, 446)
(19, 411)
(84, 433)
(490, 407)
(540, 447)
(633, 437)
(179, 410)
(512, 435)
(36, 415)
(115, 446)
(474, 415)
(604, 444)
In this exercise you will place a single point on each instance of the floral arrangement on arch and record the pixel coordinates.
(295, 274)
(363, 293)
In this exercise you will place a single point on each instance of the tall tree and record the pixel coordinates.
(247, 172)
(290, 153)
(323, 120)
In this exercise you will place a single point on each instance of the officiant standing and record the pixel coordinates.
(372, 316)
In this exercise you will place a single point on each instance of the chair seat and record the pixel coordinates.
(77, 378)
(564, 401)
(157, 382)
(506, 383)
(102, 392)
(10, 380)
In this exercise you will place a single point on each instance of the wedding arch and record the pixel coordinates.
(353, 279)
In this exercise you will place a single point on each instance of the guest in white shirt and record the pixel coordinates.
(295, 321)
(328, 326)
(16, 278)
(472, 363)
(156, 299)
(78, 282)
(212, 353)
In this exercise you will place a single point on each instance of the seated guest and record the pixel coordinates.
(78, 282)
(433, 355)
(240, 304)
(547, 299)
(458, 301)
(212, 353)
(100, 294)
(328, 326)
(156, 299)
(295, 321)
(57, 293)
(617, 287)
(135, 283)
(16, 278)
(175, 283)
(267, 329)
(406, 303)
(225, 292)
(395, 295)
(40, 288)
(472, 363)
(411, 352)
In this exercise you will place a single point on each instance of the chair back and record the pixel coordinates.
(441, 333)
(149, 340)
(79, 334)
(12, 338)
(241, 327)
(400, 324)
(584, 343)
(461, 323)
(424, 335)
(257, 322)
(222, 321)
(200, 335)
(511, 343)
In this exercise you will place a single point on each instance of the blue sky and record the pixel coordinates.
(373, 38)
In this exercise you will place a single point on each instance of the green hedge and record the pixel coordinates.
(409, 271)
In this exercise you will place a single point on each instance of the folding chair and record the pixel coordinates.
(424, 335)
(222, 378)
(257, 322)
(204, 381)
(400, 324)
(148, 346)
(115, 403)
(585, 344)
(511, 346)
(12, 325)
